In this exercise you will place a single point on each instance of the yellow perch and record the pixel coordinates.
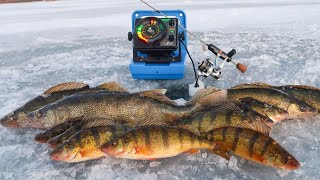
(251, 145)
(148, 143)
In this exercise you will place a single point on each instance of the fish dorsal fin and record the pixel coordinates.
(112, 86)
(300, 87)
(252, 85)
(65, 87)
(158, 94)
(258, 126)
(209, 97)
(226, 106)
(96, 121)
(151, 123)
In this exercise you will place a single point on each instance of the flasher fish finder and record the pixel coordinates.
(157, 52)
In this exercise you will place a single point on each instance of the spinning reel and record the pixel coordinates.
(212, 68)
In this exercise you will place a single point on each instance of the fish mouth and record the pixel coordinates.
(60, 155)
(9, 122)
(39, 139)
(292, 165)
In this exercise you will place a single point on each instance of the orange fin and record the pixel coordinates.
(192, 151)
(224, 154)
(252, 85)
(222, 149)
(258, 126)
(143, 151)
(112, 86)
(158, 94)
(65, 87)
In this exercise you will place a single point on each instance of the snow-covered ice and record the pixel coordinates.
(45, 43)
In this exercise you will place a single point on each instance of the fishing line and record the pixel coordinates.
(194, 68)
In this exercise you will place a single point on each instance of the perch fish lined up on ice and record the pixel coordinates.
(88, 123)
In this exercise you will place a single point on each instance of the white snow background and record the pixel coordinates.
(45, 43)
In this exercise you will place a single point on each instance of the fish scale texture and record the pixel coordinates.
(46, 43)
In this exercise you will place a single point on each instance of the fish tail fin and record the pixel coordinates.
(209, 97)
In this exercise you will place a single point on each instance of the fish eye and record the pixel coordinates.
(304, 108)
(38, 114)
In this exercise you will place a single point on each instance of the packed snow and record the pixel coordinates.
(46, 43)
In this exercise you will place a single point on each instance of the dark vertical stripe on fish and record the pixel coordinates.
(236, 138)
(199, 140)
(190, 134)
(165, 137)
(200, 120)
(213, 117)
(253, 140)
(96, 135)
(147, 138)
(224, 134)
(113, 129)
(181, 133)
(134, 136)
(266, 146)
(228, 117)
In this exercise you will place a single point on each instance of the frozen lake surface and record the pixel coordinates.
(45, 43)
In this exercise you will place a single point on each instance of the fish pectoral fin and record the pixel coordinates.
(252, 85)
(142, 151)
(65, 87)
(258, 126)
(192, 151)
(151, 123)
(112, 86)
(158, 94)
(96, 121)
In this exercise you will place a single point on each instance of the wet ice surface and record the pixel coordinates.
(42, 44)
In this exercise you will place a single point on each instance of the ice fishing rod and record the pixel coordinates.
(207, 66)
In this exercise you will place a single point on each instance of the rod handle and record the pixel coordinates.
(242, 67)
